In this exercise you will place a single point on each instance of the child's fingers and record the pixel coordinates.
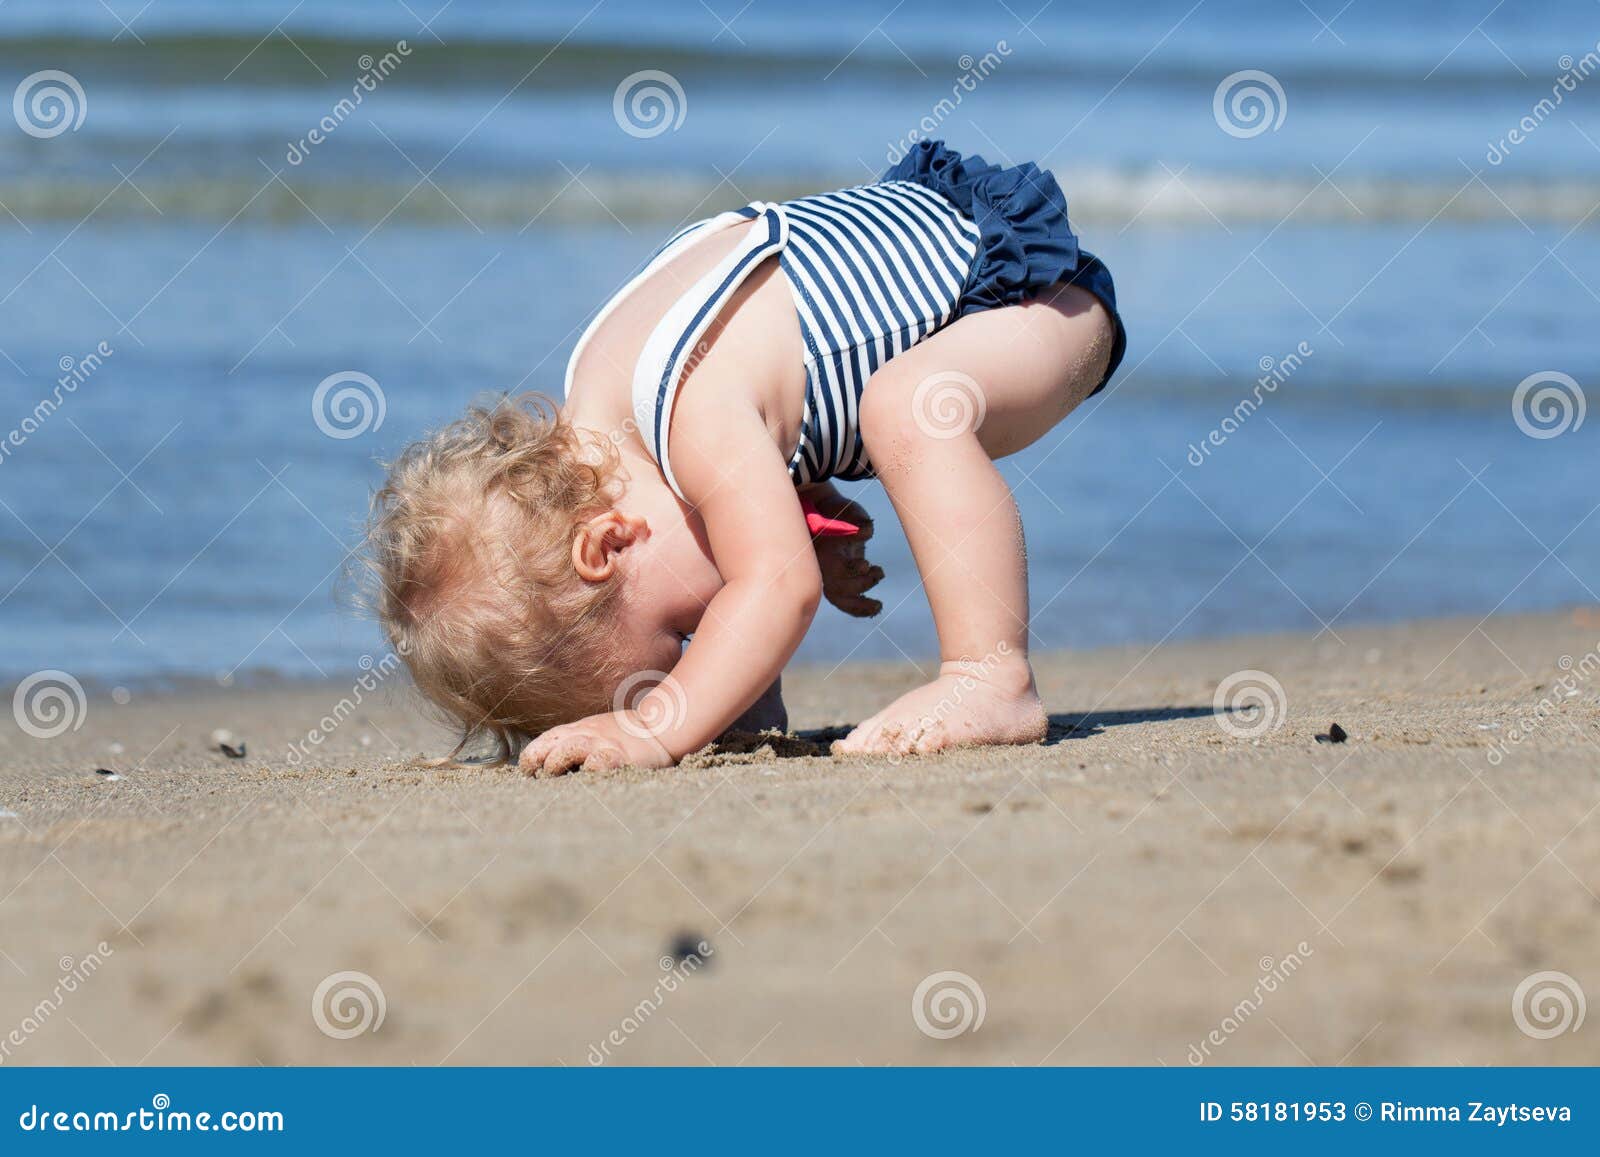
(842, 508)
(852, 584)
(856, 606)
(532, 757)
(863, 524)
(567, 753)
(852, 573)
(603, 759)
(854, 512)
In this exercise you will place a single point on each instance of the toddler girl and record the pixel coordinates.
(541, 569)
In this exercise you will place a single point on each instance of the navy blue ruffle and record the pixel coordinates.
(1028, 244)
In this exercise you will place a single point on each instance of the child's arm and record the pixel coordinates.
(731, 470)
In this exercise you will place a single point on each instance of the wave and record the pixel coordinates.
(260, 57)
(1102, 198)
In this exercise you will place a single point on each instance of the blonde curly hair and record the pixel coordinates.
(469, 546)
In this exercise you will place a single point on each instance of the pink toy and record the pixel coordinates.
(821, 526)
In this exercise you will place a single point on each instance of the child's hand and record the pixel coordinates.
(846, 573)
(596, 743)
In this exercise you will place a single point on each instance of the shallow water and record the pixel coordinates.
(181, 513)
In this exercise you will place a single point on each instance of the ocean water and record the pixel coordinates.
(1412, 235)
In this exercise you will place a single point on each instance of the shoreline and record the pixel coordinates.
(1133, 891)
(163, 686)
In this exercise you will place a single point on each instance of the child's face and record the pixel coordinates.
(646, 638)
(669, 578)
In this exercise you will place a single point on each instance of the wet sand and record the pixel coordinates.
(1153, 885)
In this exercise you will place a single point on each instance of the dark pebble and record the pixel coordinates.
(104, 771)
(1336, 734)
(231, 751)
(687, 944)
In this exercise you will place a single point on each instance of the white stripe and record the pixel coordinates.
(917, 224)
(959, 222)
(936, 232)
(889, 298)
(810, 322)
(923, 308)
(663, 255)
(821, 281)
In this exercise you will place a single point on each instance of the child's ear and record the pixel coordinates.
(597, 547)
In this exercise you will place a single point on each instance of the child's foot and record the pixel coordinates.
(958, 709)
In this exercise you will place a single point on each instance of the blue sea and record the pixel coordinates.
(1357, 249)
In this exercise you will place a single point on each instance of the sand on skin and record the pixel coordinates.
(1116, 892)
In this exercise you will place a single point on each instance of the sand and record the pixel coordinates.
(1145, 888)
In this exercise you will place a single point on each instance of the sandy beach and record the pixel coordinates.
(1153, 885)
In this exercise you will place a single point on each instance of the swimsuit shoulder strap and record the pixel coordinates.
(675, 245)
(672, 344)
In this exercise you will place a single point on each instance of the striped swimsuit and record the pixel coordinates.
(873, 270)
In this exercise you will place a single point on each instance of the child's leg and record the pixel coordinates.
(1023, 369)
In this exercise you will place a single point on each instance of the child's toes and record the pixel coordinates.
(857, 742)
(895, 739)
(928, 738)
